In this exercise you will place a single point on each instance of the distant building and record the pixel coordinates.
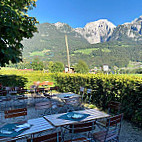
(69, 71)
(105, 68)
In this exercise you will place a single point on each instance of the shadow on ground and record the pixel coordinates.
(13, 80)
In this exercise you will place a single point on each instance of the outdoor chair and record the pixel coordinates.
(23, 91)
(72, 104)
(81, 92)
(40, 90)
(20, 112)
(80, 132)
(112, 109)
(88, 96)
(112, 130)
(43, 108)
(55, 88)
(18, 89)
(53, 137)
(21, 101)
(3, 92)
(8, 89)
(57, 107)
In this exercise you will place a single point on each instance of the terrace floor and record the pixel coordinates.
(129, 132)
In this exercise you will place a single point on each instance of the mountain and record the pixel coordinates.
(96, 32)
(50, 41)
(115, 46)
(128, 31)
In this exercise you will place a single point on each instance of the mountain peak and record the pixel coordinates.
(59, 24)
(100, 22)
(97, 31)
(138, 19)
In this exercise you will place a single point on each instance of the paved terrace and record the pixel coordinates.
(129, 132)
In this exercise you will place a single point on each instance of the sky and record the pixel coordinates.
(77, 13)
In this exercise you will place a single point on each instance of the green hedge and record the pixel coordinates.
(123, 88)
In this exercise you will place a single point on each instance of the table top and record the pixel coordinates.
(68, 95)
(38, 125)
(93, 114)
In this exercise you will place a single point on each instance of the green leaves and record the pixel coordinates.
(81, 67)
(14, 26)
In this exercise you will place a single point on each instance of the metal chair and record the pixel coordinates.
(81, 92)
(83, 130)
(113, 109)
(72, 104)
(112, 131)
(88, 96)
(53, 88)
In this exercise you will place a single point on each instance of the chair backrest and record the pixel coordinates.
(17, 88)
(54, 88)
(40, 89)
(8, 88)
(15, 113)
(81, 92)
(114, 125)
(82, 127)
(3, 92)
(114, 107)
(112, 129)
(89, 91)
(22, 91)
(54, 137)
(73, 101)
(81, 89)
(114, 120)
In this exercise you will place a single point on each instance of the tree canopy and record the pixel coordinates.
(81, 67)
(55, 66)
(15, 25)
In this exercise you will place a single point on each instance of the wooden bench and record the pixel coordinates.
(15, 113)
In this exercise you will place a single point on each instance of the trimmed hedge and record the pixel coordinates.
(123, 88)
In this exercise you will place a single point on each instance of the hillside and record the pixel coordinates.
(123, 43)
(49, 42)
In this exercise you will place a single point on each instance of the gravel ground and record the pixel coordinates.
(129, 132)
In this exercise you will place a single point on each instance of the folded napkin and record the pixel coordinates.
(21, 127)
(5, 132)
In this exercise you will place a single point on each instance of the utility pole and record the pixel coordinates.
(68, 58)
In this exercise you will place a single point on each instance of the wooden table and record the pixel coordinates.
(38, 125)
(94, 114)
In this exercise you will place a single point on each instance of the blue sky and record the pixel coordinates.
(77, 13)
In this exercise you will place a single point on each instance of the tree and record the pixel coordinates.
(15, 25)
(56, 67)
(81, 67)
(37, 64)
